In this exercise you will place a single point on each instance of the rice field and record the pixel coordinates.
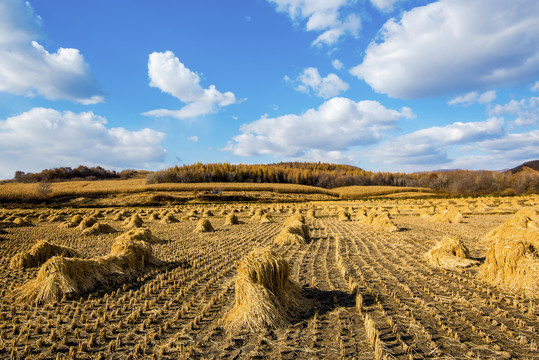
(379, 279)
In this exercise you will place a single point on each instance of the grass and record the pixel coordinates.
(357, 192)
(125, 190)
(22, 191)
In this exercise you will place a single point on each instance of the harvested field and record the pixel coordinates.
(364, 292)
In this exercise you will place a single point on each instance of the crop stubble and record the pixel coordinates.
(369, 294)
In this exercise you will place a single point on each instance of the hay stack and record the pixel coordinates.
(452, 216)
(207, 213)
(265, 297)
(294, 231)
(70, 277)
(204, 225)
(294, 220)
(266, 218)
(98, 229)
(343, 216)
(39, 254)
(134, 222)
(154, 216)
(55, 218)
(383, 222)
(450, 253)
(231, 219)
(512, 260)
(257, 215)
(86, 223)
(21, 222)
(169, 219)
(291, 235)
(140, 234)
(68, 224)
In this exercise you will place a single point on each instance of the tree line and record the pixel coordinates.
(329, 176)
(66, 174)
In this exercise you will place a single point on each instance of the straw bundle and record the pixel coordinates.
(257, 215)
(140, 234)
(86, 223)
(21, 222)
(204, 225)
(265, 297)
(311, 214)
(383, 222)
(39, 254)
(450, 253)
(231, 219)
(69, 277)
(97, 229)
(207, 212)
(448, 216)
(134, 222)
(169, 219)
(512, 260)
(266, 218)
(343, 216)
(294, 231)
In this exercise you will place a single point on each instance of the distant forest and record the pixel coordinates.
(67, 174)
(523, 179)
(455, 182)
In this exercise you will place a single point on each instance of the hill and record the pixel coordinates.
(529, 165)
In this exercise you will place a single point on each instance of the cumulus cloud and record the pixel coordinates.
(193, 138)
(384, 5)
(44, 138)
(168, 74)
(525, 110)
(323, 16)
(324, 87)
(337, 64)
(453, 46)
(430, 145)
(535, 87)
(474, 97)
(28, 69)
(501, 153)
(336, 125)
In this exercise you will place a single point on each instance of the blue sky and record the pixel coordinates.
(392, 85)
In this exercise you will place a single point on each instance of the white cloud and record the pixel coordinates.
(522, 146)
(452, 46)
(28, 69)
(474, 97)
(324, 87)
(336, 125)
(384, 5)
(535, 87)
(44, 138)
(337, 64)
(322, 16)
(193, 138)
(526, 111)
(429, 145)
(168, 74)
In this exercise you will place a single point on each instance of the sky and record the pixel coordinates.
(385, 85)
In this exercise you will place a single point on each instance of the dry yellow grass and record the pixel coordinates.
(104, 187)
(356, 192)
